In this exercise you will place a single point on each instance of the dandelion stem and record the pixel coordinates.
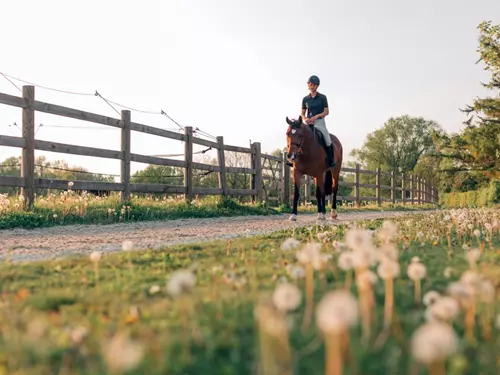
(437, 368)
(389, 301)
(96, 274)
(486, 321)
(418, 292)
(334, 362)
(309, 297)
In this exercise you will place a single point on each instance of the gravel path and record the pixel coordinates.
(49, 243)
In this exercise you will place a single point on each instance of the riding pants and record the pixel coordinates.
(321, 125)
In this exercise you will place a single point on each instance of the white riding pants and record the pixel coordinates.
(320, 124)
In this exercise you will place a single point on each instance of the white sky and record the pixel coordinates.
(237, 68)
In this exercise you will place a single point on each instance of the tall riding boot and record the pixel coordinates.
(329, 156)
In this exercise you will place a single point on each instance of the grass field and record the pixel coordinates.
(72, 208)
(319, 300)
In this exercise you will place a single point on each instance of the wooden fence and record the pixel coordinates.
(413, 189)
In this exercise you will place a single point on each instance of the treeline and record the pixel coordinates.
(465, 161)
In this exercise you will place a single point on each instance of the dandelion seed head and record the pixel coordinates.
(290, 244)
(287, 297)
(181, 281)
(95, 256)
(433, 342)
(127, 245)
(336, 312)
(431, 297)
(416, 271)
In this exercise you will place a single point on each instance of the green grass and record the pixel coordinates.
(212, 330)
(70, 208)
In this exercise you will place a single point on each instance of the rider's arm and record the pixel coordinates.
(303, 112)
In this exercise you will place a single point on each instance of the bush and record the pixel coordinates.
(477, 198)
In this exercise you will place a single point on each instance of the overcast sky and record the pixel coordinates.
(237, 68)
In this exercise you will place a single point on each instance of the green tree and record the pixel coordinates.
(474, 153)
(398, 145)
(58, 169)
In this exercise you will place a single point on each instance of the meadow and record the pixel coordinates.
(70, 207)
(415, 295)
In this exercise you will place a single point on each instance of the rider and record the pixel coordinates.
(316, 105)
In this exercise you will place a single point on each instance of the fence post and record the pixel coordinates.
(188, 158)
(356, 181)
(285, 181)
(419, 190)
(378, 191)
(393, 187)
(125, 162)
(28, 152)
(403, 187)
(222, 165)
(257, 177)
(412, 182)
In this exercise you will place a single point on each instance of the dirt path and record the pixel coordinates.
(75, 239)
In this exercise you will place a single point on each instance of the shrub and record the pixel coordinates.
(484, 197)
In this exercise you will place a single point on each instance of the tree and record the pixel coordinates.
(58, 169)
(474, 153)
(398, 145)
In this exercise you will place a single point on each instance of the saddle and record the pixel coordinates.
(318, 135)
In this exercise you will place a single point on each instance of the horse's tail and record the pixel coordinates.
(328, 182)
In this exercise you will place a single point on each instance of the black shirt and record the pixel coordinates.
(314, 105)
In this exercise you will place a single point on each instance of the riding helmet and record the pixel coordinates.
(314, 80)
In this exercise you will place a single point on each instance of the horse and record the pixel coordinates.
(306, 150)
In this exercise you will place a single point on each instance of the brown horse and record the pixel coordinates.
(306, 151)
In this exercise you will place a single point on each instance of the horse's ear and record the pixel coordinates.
(288, 121)
(300, 120)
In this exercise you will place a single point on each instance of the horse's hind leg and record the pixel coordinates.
(333, 199)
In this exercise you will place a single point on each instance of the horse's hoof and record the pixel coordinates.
(321, 217)
(333, 215)
(293, 217)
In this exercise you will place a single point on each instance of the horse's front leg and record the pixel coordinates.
(297, 177)
(320, 198)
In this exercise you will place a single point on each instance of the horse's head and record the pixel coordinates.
(294, 137)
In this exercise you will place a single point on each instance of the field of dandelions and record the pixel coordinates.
(415, 295)
(74, 207)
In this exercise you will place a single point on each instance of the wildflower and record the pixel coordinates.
(180, 282)
(443, 309)
(431, 297)
(287, 297)
(388, 232)
(297, 272)
(290, 244)
(95, 256)
(154, 289)
(447, 272)
(127, 245)
(433, 342)
(336, 312)
(346, 261)
(121, 354)
(359, 239)
(78, 334)
(416, 271)
(308, 253)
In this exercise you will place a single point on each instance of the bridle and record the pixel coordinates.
(299, 147)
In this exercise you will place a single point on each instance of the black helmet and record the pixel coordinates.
(314, 80)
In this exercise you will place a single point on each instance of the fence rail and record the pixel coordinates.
(411, 189)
